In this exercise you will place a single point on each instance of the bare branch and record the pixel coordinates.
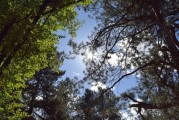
(144, 66)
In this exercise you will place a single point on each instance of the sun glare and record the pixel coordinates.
(89, 55)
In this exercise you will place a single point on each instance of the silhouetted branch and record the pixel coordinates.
(144, 66)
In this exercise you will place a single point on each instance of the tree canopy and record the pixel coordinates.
(48, 98)
(137, 37)
(133, 37)
(90, 107)
(27, 44)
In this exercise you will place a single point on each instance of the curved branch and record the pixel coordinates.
(145, 105)
(144, 66)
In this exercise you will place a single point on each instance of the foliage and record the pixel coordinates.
(26, 39)
(45, 97)
(137, 37)
(90, 107)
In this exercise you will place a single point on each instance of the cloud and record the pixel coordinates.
(138, 75)
(90, 55)
(144, 47)
(39, 98)
(96, 85)
(76, 74)
(132, 115)
(113, 59)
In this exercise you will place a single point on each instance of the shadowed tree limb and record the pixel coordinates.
(145, 105)
(168, 31)
(139, 68)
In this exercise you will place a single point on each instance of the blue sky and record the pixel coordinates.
(75, 66)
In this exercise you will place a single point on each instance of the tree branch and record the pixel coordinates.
(144, 66)
(6, 29)
(6, 60)
(144, 105)
(169, 33)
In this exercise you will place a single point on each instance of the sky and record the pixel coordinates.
(76, 66)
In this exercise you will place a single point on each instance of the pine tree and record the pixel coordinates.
(141, 37)
(90, 107)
